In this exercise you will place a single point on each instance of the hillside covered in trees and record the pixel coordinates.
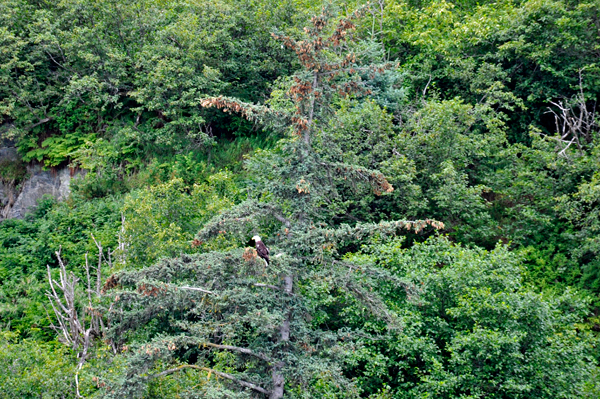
(425, 173)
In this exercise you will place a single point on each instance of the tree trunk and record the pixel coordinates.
(284, 338)
(311, 111)
(278, 381)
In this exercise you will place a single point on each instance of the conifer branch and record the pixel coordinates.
(239, 215)
(230, 377)
(363, 230)
(238, 349)
(273, 287)
(375, 178)
(252, 112)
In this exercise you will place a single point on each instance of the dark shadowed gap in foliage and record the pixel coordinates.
(230, 152)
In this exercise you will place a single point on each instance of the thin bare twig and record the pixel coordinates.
(197, 289)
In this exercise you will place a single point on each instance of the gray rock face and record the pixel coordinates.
(8, 154)
(4, 195)
(54, 183)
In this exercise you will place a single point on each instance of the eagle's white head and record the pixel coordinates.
(256, 238)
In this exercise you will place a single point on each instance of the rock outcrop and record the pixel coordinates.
(40, 182)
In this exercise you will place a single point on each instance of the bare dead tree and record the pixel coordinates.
(78, 322)
(376, 9)
(121, 250)
(575, 121)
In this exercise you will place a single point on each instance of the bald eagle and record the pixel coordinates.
(261, 249)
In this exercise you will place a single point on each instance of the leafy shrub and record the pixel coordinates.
(30, 369)
(471, 328)
(161, 220)
(27, 246)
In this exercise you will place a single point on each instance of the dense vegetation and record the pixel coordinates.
(426, 174)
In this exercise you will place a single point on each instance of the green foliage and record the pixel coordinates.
(362, 133)
(534, 50)
(162, 220)
(27, 246)
(408, 110)
(74, 73)
(581, 209)
(473, 329)
(429, 161)
(228, 313)
(30, 369)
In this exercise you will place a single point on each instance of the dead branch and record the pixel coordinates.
(273, 287)
(575, 122)
(197, 289)
(64, 305)
(78, 323)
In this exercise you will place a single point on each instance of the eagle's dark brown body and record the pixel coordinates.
(261, 249)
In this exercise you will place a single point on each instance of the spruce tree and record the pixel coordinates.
(254, 329)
